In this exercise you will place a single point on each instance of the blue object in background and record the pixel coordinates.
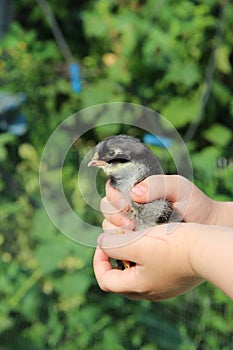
(11, 119)
(19, 125)
(9, 102)
(157, 140)
(75, 77)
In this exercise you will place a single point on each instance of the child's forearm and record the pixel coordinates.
(212, 257)
(223, 213)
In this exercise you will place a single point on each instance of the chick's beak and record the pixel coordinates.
(96, 161)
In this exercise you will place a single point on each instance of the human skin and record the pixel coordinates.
(187, 199)
(170, 258)
(169, 261)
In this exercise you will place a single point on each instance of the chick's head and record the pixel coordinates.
(125, 158)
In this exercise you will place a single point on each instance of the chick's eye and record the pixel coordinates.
(111, 153)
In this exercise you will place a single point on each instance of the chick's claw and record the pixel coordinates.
(120, 231)
(124, 264)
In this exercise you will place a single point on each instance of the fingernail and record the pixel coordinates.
(138, 190)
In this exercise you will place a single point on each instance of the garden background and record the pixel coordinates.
(175, 57)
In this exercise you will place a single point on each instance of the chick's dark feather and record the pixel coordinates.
(127, 161)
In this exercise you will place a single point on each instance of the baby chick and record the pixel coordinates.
(127, 162)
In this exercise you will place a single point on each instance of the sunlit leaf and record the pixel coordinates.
(181, 111)
(218, 134)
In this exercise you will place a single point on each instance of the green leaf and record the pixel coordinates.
(158, 324)
(180, 110)
(219, 135)
(221, 93)
(94, 26)
(222, 59)
(50, 254)
(186, 73)
(101, 91)
(42, 228)
(107, 130)
(6, 138)
(73, 284)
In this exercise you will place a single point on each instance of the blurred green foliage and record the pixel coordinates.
(175, 57)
